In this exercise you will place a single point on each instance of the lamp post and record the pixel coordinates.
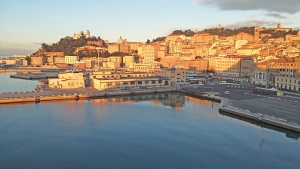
(267, 69)
(98, 48)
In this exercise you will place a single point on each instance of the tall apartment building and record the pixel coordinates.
(149, 52)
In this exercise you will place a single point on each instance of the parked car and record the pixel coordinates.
(226, 92)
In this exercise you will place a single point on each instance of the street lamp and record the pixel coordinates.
(98, 48)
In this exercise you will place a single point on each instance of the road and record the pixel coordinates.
(241, 96)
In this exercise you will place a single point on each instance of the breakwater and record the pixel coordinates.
(20, 70)
(270, 120)
(37, 97)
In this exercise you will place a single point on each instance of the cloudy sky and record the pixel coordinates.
(25, 24)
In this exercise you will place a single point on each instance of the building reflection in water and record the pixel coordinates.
(71, 112)
(173, 100)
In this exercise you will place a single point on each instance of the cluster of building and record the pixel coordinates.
(103, 80)
(241, 57)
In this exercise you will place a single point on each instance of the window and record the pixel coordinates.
(153, 82)
(140, 82)
(132, 83)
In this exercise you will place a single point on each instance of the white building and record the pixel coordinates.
(71, 59)
(260, 77)
(68, 80)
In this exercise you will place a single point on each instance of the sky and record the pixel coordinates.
(25, 24)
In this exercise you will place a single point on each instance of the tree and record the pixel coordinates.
(148, 41)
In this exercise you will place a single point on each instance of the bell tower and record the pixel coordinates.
(256, 34)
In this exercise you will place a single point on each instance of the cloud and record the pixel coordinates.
(284, 6)
(296, 28)
(251, 23)
(276, 15)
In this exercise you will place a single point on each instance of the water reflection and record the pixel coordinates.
(173, 100)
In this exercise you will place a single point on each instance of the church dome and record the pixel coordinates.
(120, 41)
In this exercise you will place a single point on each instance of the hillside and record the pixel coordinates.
(68, 44)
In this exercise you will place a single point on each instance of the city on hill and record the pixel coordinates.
(263, 56)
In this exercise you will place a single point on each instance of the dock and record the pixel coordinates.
(62, 95)
(270, 120)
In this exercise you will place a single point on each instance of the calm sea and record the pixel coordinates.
(8, 84)
(151, 131)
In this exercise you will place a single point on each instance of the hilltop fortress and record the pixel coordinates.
(81, 34)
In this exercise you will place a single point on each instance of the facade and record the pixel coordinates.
(200, 65)
(292, 38)
(128, 60)
(244, 36)
(260, 77)
(248, 51)
(287, 83)
(169, 61)
(71, 59)
(247, 67)
(38, 60)
(149, 52)
(9, 61)
(59, 59)
(228, 67)
(68, 80)
(176, 76)
(116, 75)
(173, 37)
(144, 67)
(203, 38)
(126, 83)
(120, 46)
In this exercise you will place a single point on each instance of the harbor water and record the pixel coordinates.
(151, 131)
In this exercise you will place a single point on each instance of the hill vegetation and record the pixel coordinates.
(230, 32)
(68, 45)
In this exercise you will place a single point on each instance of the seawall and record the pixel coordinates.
(282, 123)
(38, 97)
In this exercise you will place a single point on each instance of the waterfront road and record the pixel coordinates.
(241, 96)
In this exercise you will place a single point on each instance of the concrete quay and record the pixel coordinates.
(35, 76)
(72, 94)
(241, 96)
(282, 123)
(279, 111)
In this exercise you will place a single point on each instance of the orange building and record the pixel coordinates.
(169, 61)
(120, 46)
(196, 64)
(203, 38)
(38, 60)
